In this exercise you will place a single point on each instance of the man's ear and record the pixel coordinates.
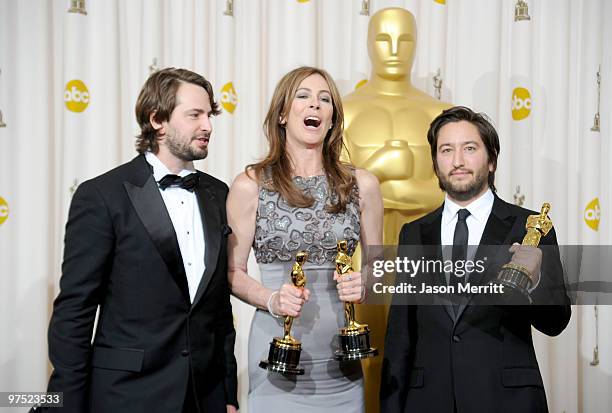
(159, 127)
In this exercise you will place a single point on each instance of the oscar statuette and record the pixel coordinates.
(515, 278)
(284, 354)
(354, 337)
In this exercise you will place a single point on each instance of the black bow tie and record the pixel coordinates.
(188, 182)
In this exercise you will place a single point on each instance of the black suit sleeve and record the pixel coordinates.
(231, 367)
(551, 310)
(88, 247)
(225, 325)
(394, 379)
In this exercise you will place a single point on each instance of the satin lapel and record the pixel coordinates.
(211, 221)
(496, 232)
(430, 236)
(152, 211)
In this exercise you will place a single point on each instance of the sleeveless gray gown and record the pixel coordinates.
(281, 232)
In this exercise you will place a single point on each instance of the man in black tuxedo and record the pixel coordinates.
(146, 244)
(459, 355)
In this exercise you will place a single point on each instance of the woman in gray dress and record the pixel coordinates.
(301, 197)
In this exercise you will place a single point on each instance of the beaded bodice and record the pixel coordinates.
(282, 230)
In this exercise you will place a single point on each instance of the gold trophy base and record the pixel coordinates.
(355, 343)
(284, 356)
(516, 282)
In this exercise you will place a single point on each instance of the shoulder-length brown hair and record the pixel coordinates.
(274, 172)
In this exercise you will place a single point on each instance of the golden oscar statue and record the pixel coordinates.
(386, 123)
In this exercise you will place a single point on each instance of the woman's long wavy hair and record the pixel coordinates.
(275, 171)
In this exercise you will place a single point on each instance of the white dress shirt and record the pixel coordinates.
(184, 212)
(480, 209)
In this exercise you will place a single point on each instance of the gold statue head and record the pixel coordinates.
(342, 246)
(392, 42)
(538, 226)
(540, 222)
(301, 257)
(344, 262)
(298, 277)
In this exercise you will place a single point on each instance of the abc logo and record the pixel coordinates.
(592, 214)
(76, 96)
(229, 98)
(361, 83)
(4, 210)
(521, 103)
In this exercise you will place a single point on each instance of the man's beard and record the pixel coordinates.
(182, 149)
(464, 191)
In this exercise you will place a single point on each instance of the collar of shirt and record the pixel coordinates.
(184, 212)
(480, 209)
(160, 170)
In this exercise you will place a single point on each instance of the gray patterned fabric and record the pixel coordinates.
(282, 231)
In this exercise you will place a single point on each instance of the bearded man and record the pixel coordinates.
(456, 354)
(146, 245)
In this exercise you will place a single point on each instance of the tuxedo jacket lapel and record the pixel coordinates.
(144, 194)
(431, 236)
(211, 220)
(496, 232)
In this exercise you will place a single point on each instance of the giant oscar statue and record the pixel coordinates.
(386, 123)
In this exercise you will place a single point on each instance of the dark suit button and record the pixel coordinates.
(456, 338)
(185, 353)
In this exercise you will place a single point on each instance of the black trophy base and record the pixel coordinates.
(283, 357)
(355, 347)
(516, 283)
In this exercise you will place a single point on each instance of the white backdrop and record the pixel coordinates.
(69, 81)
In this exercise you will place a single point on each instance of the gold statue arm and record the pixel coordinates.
(394, 161)
(538, 226)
